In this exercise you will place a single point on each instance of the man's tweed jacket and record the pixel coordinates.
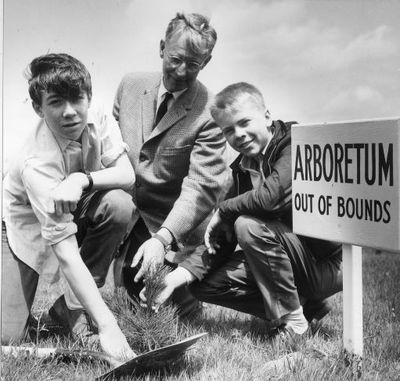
(179, 165)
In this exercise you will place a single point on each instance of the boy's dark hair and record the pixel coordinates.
(60, 73)
(229, 96)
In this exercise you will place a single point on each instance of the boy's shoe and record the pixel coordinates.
(286, 334)
(77, 322)
(316, 309)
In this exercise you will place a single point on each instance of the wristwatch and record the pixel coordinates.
(160, 238)
(90, 179)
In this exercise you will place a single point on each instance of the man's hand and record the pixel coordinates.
(153, 253)
(65, 197)
(114, 344)
(215, 228)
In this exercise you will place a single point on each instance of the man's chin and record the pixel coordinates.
(173, 85)
(176, 87)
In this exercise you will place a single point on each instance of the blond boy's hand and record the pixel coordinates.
(161, 298)
(173, 280)
(65, 197)
(214, 229)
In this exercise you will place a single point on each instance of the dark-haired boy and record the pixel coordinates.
(255, 263)
(60, 193)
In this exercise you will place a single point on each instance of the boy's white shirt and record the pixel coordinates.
(39, 166)
(256, 174)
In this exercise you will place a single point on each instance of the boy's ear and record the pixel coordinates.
(162, 47)
(267, 114)
(38, 109)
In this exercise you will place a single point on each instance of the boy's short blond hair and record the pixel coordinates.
(231, 96)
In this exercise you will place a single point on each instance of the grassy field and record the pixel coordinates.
(237, 348)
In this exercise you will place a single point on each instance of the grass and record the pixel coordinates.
(237, 348)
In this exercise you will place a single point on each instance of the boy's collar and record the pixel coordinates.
(237, 163)
(248, 162)
(62, 142)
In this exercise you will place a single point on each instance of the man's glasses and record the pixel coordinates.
(191, 66)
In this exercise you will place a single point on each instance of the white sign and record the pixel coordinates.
(345, 182)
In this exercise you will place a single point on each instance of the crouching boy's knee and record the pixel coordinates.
(248, 230)
(117, 207)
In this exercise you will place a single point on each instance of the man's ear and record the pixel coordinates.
(267, 114)
(38, 109)
(206, 61)
(162, 47)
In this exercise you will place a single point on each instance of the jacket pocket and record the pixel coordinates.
(172, 163)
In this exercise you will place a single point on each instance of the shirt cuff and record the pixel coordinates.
(111, 155)
(57, 233)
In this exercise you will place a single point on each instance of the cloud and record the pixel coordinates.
(359, 102)
(313, 60)
(295, 43)
(338, 51)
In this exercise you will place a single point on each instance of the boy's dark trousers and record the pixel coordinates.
(102, 218)
(270, 272)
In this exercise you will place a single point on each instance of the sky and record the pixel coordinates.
(314, 60)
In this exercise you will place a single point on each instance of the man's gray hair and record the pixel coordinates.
(202, 35)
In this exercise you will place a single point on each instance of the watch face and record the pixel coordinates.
(157, 358)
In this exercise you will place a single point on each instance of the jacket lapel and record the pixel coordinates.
(149, 103)
(176, 112)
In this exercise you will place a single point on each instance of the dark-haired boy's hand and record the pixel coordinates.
(65, 197)
(114, 344)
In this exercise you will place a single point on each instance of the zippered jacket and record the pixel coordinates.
(272, 200)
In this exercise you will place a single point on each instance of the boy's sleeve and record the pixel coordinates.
(112, 145)
(40, 177)
(273, 196)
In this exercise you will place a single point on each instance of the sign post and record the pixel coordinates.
(345, 188)
(352, 306)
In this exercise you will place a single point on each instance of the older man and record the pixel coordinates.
(176, 151)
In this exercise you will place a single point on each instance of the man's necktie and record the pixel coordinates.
(162, 109)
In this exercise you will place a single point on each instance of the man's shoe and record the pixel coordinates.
(77, 322)
(316, 309)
